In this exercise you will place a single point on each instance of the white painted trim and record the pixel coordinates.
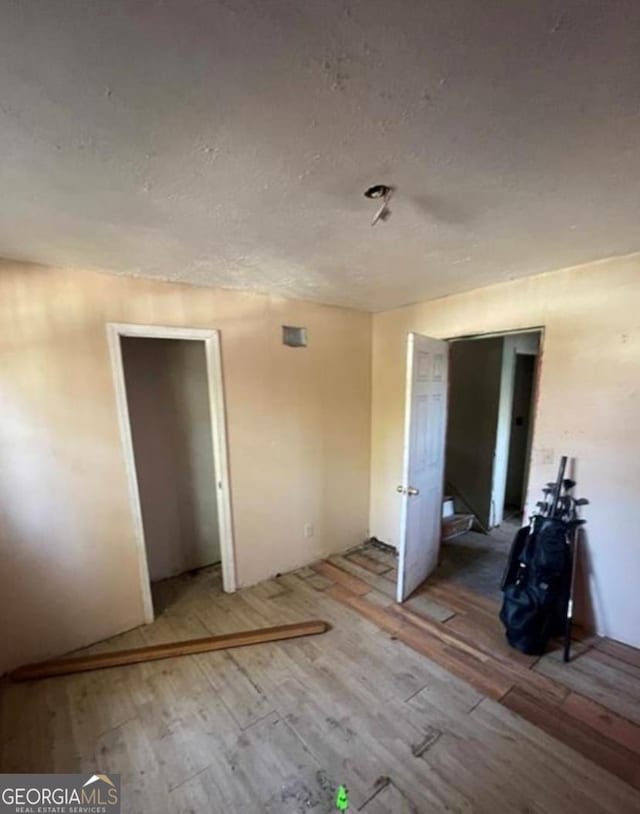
(115, 351)
(408, 391)
(215, 381)
(211, 339)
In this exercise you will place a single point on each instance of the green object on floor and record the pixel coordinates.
(342, 799)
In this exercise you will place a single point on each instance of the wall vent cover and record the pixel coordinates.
(294, 337)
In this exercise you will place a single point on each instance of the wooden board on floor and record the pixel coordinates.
(118, 658)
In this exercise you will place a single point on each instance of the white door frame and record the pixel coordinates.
(537, 375)
(211, 339)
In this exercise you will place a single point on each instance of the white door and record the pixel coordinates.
(423, 470)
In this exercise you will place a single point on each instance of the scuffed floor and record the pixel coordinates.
(477, 560)
(403, 709)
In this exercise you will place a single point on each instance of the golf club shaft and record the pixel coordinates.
(569, 620)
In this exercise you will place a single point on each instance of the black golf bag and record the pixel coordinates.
(536, 584)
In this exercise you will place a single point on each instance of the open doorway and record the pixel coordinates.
(171, 410)
(469, 411)
(492, 388)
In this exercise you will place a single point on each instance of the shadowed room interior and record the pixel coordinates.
(306, 310)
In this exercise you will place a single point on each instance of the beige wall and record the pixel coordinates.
(588, 407)
(168, 400)
(298, 427)
(299, 431)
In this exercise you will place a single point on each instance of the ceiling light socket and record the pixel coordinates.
(378, 191)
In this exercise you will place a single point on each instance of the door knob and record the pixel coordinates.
(410, 490)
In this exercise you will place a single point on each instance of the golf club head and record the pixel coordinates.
(568, 484)
(581, 501)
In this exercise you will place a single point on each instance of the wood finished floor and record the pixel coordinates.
(416, 709)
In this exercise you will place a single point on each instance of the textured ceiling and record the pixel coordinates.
(228, 142)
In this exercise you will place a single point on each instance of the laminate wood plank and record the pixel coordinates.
(480, 667)
(415, 668)
(442, 648)
(472, 600)
(459, 603)
(463, 761)
(623, 652)
(241, 692)
(274, 587)
(279, 771)
(497, 679)
(366, 606)
(439, 631)
(419, 603)
(180, 740)
(580, 783)
(323, 684)
(537, 685)
(459, 600)
(380, 736)
(390, 800)
(324, 728)
(600, 682)
(155, 652)
(319, 582)
(378, 598)
(508, 771)
(384, 556)
(26, 740)
(491, 639)
(354, 584)
(374, 613)
(626, 667)
(207, 725)
(427, 607)
(374, 580)
(481, 675)
(608, 723)
(371, 564)
(202, 792)
(592, 744)
(304, 572)
(371, 662)
(85, 696)
(302, 601)
(502, 660)
(127, 750)
(449, 600)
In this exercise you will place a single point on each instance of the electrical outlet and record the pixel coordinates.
(308, 530)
